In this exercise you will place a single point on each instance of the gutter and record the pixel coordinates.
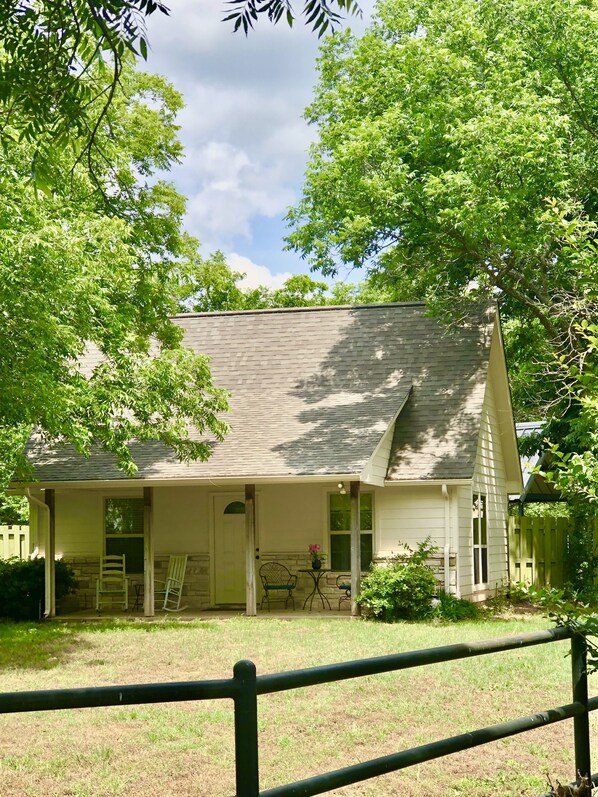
(33, 500)
(447, 539)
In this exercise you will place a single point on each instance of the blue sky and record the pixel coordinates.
(242, 128)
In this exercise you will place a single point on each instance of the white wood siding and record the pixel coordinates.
(181, 520)
(289, 518)
(465, 563)
(489, 480)
(80, 521)
(377, 466)
(408, 514)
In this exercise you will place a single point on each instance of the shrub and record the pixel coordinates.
(22, 587)
(453, 609)
(403, 588)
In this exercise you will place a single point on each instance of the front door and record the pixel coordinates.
(229, 549)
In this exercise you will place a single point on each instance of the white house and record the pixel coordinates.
(372, 424)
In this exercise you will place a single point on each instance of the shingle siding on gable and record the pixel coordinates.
(313, 391)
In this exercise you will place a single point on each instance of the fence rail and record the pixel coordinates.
(245, 686)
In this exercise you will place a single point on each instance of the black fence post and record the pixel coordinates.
(246, 744)
(581, 723)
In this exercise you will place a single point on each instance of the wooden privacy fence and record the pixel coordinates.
(14, 541)
(538, 547)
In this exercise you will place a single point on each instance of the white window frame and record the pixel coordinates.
(107, 536)
(479, 532)
(347, 532)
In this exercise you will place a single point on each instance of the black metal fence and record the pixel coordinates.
(245, 686)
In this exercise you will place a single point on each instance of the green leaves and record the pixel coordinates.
(319, 14)
(210, 284)
(456, 161)
(81, 272)
(47, 51)
(441, 134)
(403, 588)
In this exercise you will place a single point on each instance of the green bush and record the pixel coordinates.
(402, 589)
(22, 587)
(453, 609)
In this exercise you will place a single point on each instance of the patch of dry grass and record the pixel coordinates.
(187, 749)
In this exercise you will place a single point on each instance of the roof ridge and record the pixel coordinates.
(314, 308)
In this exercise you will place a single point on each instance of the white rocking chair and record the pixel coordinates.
(112, 584)
(169, 596)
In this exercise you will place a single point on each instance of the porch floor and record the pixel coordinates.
(91, 615)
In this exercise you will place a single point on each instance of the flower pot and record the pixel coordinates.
(316, 564)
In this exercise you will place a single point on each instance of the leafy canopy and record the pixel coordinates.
(86, 272)
(213, 286)
(442, 134)
(457, 160)
(49, 48)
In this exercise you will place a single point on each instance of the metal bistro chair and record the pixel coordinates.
(343, 582)
(170, 594)
(277, 578)
(112, 583)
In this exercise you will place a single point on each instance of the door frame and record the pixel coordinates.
(233, 495)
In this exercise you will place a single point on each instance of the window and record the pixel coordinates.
(480, 540)
(123, 526)
(339, 518)
(235, 508)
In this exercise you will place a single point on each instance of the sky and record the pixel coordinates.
(242, 128)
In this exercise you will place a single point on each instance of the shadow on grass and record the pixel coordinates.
(43, 646)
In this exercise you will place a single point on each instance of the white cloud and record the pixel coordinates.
(255, 275)
(242, 128)
(233, 190)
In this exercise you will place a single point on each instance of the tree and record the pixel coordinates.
(82, 271)
(14, 510)
(211, 285)
(318, 13)
(575, 455)
(48, 49)
(456, 160)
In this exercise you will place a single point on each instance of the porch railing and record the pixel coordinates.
(245, 686)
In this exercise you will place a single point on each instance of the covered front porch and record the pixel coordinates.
(227, 532)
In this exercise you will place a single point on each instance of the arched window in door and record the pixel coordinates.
(235, 508)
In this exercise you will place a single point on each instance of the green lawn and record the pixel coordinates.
(187, 749)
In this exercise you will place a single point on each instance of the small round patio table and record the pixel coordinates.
(316, 575)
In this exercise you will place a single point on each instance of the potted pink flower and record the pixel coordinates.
(317, 557)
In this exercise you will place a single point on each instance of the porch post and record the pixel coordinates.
(355, 549)
(250, 600)
(148, 553)
(50, 555)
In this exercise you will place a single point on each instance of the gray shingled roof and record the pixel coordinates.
(314, 390)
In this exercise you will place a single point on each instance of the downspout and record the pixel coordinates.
(447, 540)
(33, 500)
(49, 600)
